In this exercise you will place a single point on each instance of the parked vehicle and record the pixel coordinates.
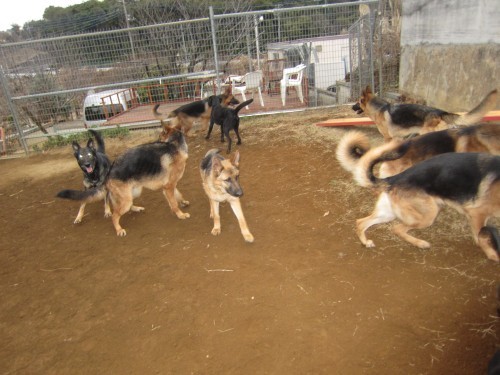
(101, 106)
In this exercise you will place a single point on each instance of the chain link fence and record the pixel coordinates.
(303, 57)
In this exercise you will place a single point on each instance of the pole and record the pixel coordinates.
(128, 27)
(256, 25)
(214, 42)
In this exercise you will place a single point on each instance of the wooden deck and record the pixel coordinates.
(272, 103)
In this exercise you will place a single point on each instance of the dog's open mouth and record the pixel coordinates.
(89, 168)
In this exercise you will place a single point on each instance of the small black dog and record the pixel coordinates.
(95, 165)
(227, 118)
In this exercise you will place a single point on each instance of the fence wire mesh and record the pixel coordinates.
(302, 57)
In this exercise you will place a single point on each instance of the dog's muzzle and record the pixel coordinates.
(357, 108)
(235, 191)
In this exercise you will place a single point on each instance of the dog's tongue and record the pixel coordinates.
(89, 169)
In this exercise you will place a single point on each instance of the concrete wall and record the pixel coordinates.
(450, 51)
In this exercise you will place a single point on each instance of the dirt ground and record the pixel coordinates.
(170, 298)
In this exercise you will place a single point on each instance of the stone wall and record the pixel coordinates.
(450, 54)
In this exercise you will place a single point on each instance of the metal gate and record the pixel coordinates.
(44, 82)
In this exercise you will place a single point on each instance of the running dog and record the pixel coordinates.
(95, 165)
(186, 115)
(228, 120)
(400, 120)
(468, 182)
(220, 182)
(398, 155)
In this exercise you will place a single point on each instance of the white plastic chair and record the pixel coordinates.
(292, 77)
(249, 82)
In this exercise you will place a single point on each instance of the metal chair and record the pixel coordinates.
(249, 82)
(292, 77)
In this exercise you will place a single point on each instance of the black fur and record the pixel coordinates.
(145, 160)
(95, 166)
(227, 118)
(194, 109)
(450, 176)
(198, 107)
(492, 233)
(409, 115)
(94, 163)
(428, 144)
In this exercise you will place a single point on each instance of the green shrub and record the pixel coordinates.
(60, 140)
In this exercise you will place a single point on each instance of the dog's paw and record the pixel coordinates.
(248, 237)
(369, 243)
(121, 233)
(216, 231)
(77, 221)
(493, 255)
(183, 215)
(421, 244)
(108, 214)
(137, 209)
(184, 203)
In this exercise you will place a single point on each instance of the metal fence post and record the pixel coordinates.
(214, 41)
(12, 109)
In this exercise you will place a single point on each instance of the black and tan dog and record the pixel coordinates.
(400, 120)
(157, 165)
(468, 182)
(398, 155)
(95, 165)
(228, 120)
(186, 115)
(220, 179)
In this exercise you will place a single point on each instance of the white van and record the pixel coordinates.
(99, 107)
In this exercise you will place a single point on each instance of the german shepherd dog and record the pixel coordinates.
(468, 182)
(398, 155)
(153, 166)
(186, 115)
(220, 181)
(228, 120)
(95, 165)
(400, 120)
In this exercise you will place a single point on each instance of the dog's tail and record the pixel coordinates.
(100, 142)
(212, 152)
(352, 146)
(161, 116)
(476, 114)
(87, 196)
(364, 173)
(244, 104)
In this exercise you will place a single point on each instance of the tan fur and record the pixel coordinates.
(370, 105)
(217, 182)
(102, 195)
(122, 193)
(485, 139)
(415, 209)
(185, 122)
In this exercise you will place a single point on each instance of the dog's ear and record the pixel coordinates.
(217, 166)
(235, 160)
(76, 146)
(166, 131)
(228, 90)
(368, 90)
(90, 143)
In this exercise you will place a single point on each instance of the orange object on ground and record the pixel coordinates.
(359, 121)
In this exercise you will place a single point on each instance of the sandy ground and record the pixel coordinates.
(170, 298)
